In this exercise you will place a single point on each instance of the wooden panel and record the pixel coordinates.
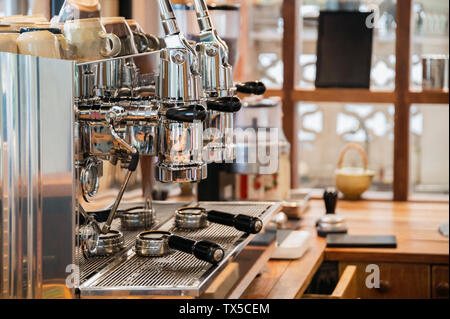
(402, 107)
(251, 262)
(263, 284)
(396, 281)
(343, 95)
(346, 287)
(221, 286)
(428, 97)
(269, 93)
(273, 92)
(439, 282)
(290, 116)
(365, 96)
(286, 279)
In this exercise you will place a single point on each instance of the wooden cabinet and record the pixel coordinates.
(439, 282)
(396, 280)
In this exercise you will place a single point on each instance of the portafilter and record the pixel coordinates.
(94, 243)
(136, 218)
(160, 243)
(197, 217)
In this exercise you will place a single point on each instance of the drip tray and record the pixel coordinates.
(177, 274)
(92, 266)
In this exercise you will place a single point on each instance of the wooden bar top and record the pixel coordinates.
(414, 224)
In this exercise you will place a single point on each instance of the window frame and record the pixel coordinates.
(402, 97)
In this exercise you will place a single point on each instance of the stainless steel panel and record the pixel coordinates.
(163, 211)
(36, 163)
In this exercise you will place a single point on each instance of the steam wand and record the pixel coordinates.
(131, 168)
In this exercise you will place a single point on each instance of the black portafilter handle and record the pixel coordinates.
(252, 87)
(203, 250)
(189, 113)
(330, 196)
(247, 224)
(228, 104)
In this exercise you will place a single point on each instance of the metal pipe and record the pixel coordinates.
(131, 168)
(106, 228)
(101, 115)
(169, 21)
(203, 17)
(121, 141)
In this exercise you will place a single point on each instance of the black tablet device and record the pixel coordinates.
(357, 241)
(344, 49)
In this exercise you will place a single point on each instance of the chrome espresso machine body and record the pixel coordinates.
(68, 228)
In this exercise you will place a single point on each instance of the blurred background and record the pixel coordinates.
(328, 119)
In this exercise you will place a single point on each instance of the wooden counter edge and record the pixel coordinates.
(299, 273)
(382, 256)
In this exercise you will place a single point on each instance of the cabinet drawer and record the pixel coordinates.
(345, 288)
(439, 282)
(396, 280)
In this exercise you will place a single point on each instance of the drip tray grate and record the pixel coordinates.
(177, 273)
(90, 267)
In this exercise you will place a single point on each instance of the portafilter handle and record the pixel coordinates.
(330, 197)
(203, 250)
(188, 114)
(247, 224)
(226, 104)
(251, 87)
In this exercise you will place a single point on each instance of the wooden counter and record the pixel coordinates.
(414, 224)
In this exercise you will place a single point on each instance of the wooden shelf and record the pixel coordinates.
(428, 97)
(269, 93)
(363, 96)
(273, 92)
(343, 95)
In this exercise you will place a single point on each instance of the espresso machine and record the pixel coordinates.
(68, 229)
